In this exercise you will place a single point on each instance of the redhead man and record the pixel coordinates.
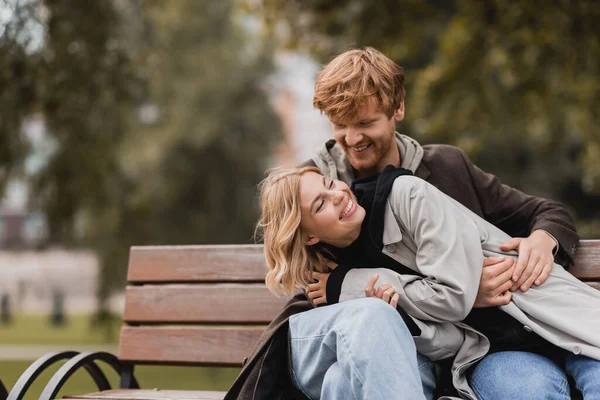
(354, 349)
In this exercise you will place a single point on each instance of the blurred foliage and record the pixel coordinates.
(513, 83)
(159, 119)
(17, 86)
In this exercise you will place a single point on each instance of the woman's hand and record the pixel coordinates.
(495, 282)
(384, 292)
(316, 291)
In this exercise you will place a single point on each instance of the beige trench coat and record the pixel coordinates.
(435, 235)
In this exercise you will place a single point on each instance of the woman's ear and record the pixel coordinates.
(310, 240)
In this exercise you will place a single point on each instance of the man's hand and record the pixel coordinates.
(535, 259)
(384, 292)
(495, 282)
(316, 291)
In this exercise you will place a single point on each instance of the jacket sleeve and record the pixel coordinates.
(508, 208)
(350, 280)
(435, 340)
(448, 249)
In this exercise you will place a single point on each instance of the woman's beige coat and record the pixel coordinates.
(435, 235)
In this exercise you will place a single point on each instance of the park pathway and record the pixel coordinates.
(33, 352)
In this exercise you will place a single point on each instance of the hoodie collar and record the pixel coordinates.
(332, 160)
(372, 194)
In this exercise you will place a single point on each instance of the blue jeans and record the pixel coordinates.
(521, 375)
(358, 349)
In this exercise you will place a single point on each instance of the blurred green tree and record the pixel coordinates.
(159, 115)
(205, 135)
(17, 84)
(513, 84)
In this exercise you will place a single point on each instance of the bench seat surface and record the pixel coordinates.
(137, 394)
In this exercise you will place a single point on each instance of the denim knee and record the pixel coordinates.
(514, 374)
(372, 307)
(376, 319)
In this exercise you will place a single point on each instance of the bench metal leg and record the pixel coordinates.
(3, 391)
(128, 380)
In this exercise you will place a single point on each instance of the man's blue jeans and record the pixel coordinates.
(522, 375)
(358, 349)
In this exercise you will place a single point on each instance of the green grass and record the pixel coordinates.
(35, 329)
(149, 377)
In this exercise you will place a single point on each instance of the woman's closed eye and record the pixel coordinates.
(320, 206)
(330, 186)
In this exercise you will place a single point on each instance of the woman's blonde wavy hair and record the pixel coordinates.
(289, 259)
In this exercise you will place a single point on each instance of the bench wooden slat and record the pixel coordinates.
(197, 345)
(202, 263)
(230, 263)
(136, 394)
(587, 260)
(202, 303)
(595, 285)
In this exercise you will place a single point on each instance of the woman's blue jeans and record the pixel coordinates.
(358, 349)
(522, 375)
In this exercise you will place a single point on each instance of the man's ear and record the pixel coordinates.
(310, 240)
(399, 113)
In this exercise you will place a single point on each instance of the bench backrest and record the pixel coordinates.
(208, 304)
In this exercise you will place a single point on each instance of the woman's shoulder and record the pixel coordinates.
(408, 184)
(410, 190)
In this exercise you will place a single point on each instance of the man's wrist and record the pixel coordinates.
(556, 245)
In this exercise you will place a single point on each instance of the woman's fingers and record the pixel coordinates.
(394, 302)
(314, 294)
(312, 287)
(387, 294)
(381, 290)
(370, 288)
(320, 300)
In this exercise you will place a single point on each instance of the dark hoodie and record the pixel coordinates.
(366, 251)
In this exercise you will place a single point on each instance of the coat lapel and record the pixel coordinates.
(391, 228)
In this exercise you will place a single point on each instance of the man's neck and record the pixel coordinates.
(393, 158)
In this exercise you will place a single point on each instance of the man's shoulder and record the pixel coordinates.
(442, 153)
(445, 160)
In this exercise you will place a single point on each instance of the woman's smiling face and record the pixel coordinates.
(330, 213)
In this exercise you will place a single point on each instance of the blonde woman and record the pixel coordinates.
(431, 249)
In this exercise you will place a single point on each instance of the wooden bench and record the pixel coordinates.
(196, 306)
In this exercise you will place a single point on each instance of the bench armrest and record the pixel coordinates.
(76, 361)
(34, 370)
(87, 361)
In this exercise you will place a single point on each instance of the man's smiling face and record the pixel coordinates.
(369, 138)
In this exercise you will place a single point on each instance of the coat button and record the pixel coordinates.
(576, 350)
(573, 248)
(391, 248)
(244, 361)
(528, 329)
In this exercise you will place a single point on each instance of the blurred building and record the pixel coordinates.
(292, 90)
(20, 226)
